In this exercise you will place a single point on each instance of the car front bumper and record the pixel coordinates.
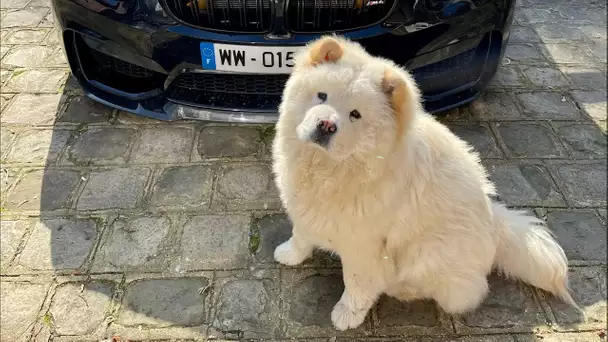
(452, 61)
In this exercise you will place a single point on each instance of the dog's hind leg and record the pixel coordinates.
(463, 293)
(293, 251)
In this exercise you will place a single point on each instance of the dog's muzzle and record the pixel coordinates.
(323, 133)
(319, 125)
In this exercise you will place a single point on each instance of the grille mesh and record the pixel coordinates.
(301, 15)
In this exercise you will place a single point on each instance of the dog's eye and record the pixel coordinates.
(322, 96)
(354, 115)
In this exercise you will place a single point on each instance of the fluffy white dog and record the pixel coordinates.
(364, 172)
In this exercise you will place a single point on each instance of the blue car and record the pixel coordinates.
(228, 60)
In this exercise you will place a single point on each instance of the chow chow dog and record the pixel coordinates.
(364, 172)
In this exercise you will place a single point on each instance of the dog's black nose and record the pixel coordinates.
(325, 129)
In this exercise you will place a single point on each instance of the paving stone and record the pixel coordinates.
(154, 334)
(246, 187)
(20, 305)
(583, 141)
(25, 17)
(248, 306)
(509, 307)
(525, 185)
(27, 36)
(495, 106)
(11, 234)
(541, 16)
(530, 140)
(139, 243)
(563, 53)
(6, 137)
(59, 244)
(582, 14)
(580, 233)
(583, 184)
(165, 302)
(32, 109)
(603, 213)
(38, 146)
(126, 118)
(568, 337)
(479, 136)
(4, 76)
(585, 77)
(72, 87)
(83, 110)
(396, 317)
(102, 146)
(523, 53)
(545, 77)
(214, 242)
(37, 80)
(594, 32)
(11, 4)
(48, 21)
(523, 34)
(5, 99)
(7, 178)
(114, 188)
(43, 190)
(52, 39)
(57, 59)
(477, 338)
(80, 308)
(188, 186)
(229, 141)
(597, 50)
(592, 102)
(27, 56)
(588, 289)
(270, 231)
(312, 295)
(163, 145)
(4, 49)
(543, 105)
(509, 76)
(556, 33)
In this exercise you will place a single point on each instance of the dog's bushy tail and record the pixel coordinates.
(528, 251)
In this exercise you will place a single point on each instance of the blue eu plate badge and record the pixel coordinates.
(208, 55)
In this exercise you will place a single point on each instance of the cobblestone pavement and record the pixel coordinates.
(114, 225)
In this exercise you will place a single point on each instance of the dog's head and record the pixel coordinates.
(344, 101)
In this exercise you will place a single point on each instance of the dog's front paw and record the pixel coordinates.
(344, 318)
(287, 254)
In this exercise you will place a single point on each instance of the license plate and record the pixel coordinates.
(248, 59)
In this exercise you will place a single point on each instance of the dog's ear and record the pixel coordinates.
(402, 96)
(396, 90)
(325, 50)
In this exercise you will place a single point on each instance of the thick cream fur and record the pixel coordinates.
(403, 201)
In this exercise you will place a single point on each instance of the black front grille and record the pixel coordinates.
(228, 91)
(302, 15)
(233, 83)
(328, 15)
(230, 15)
(110, 63)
